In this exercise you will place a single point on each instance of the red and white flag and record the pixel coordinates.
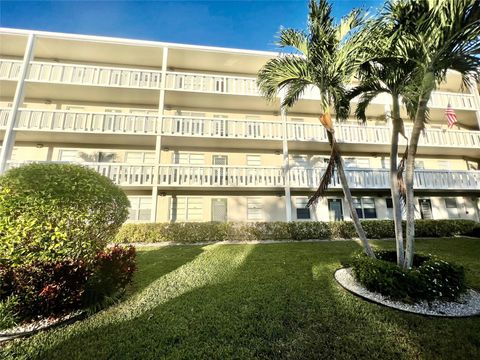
(451, 117)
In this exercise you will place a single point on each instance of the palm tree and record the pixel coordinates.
(327, 56)
(385, 72)
(438, 35)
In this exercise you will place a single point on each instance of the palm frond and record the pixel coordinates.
(282, 72)
(326, 179)
(296, 39)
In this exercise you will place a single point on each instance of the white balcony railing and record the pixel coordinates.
(188, 81)
(441, 99)
(271, 177)
(94, 75)
(219, 84)
(123, 123)
(221, 127)
(10, 69)
(363, 134)
(122, 174)
(125, 174)
(91, 122)
(220, 176)
(357, 178)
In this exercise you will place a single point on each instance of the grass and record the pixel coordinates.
(270, 301)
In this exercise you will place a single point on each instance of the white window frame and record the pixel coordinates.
(138, 204)
(361, 201)
(190, 204)
(256, 204)
(300, 204)
(254, 160)
(189, 157)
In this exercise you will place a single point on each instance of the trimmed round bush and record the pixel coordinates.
(53, 212)
(429, 279)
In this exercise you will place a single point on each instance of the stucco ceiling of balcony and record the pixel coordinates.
(217, 61)
(98, 52)
(12, 45)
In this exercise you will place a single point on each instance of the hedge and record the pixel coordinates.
(213, 232)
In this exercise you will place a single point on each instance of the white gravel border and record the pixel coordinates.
(33, 327)
(468, 304)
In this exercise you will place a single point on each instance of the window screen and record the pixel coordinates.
(254, 209)
(301, 206)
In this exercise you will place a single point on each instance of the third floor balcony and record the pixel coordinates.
(243, 88)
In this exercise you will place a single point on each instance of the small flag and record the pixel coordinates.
(451, 117)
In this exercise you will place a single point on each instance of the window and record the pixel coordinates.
(389, 204)
(254, 209)
(187, 208)
(254, 160)
(140, 208)
(188, 159)
(452, 207)
(365, 208)
(444, 164)
(68, 155)
(303, 212)
(419, 164)
(140, 157)
(357, 163)
(301, 161)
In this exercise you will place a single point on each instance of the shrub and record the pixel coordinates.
(301, 230)
(429, 279)
(53, 288)
(44, 289)
(113, 270)
(50, 212)
(8, 314)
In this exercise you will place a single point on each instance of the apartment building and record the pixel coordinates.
(183, 130)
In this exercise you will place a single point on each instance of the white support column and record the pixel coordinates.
(286, 167)
(9, 138)
(158, 140)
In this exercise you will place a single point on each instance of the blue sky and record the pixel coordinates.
(239, 24)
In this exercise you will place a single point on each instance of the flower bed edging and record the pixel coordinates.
(467, 305)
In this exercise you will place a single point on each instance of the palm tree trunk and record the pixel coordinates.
(397, 209)
(348, 198)
(427, 87)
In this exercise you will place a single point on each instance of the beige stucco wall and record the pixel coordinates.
(274, 207)
(51, 151)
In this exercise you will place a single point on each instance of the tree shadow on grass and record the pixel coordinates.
(243, 301)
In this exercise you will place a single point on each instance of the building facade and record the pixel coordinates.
(184, 131)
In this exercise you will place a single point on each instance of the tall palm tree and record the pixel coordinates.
(327, 57)
(385, 72)
(438, 35)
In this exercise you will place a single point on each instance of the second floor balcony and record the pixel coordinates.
(239, 178)
(302, 136)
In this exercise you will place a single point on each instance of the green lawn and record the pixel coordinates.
(268, 301)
